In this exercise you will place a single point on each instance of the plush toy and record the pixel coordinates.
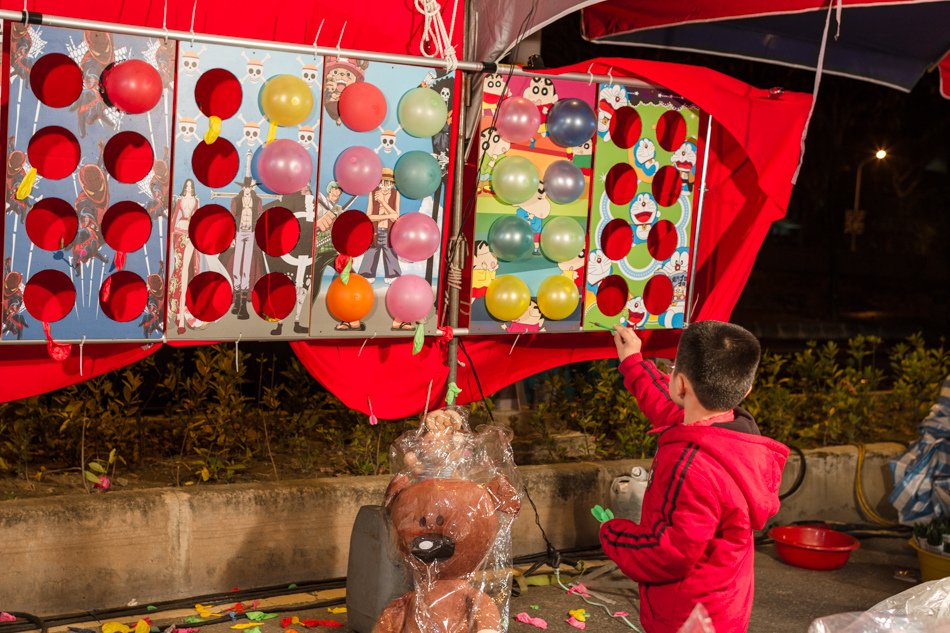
(448, 504)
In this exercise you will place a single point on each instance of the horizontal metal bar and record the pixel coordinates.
(260, 339)
(288, 47)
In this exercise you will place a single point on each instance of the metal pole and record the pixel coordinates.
(455, 226)
(304, 49)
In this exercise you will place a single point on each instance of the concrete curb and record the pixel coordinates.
(73, 553)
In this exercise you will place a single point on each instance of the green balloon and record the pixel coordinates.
(422, 112)
(515, 179)
(562, 239)
(417, 174)
(510, 238)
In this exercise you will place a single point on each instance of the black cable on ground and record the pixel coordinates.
(798, 478)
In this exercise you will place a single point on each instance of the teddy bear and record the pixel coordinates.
(444, 528)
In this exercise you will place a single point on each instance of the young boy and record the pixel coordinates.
(714, 480)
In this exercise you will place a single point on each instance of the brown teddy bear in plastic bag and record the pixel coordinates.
(444, 529)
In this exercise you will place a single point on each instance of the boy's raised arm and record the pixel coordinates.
(645, 381)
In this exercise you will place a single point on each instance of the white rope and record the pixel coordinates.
(165, 20)
(513, 344)
(365, 341)
(425, 412)
(340, 40)
(814, 93)
(194, 9)
(83, 342)
(26, 17)
(434, 32)
(315, 39)
(590, 82)
(237, 366)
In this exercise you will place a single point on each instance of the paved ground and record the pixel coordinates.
(787, 598)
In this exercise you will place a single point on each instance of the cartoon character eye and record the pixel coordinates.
(535, 90)
(544, 92)
(496, 138)
(485, 146)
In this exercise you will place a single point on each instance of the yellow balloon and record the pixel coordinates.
(507, 298)
(286, 100)
(557, 297)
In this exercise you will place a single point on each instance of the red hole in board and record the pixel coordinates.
(671, 130)
(352, 233)
(211, 229)
(215, 165)
(274, 296)
(658, 294)
(52, 224)
(126, 226)
(612, 295)
(621, 183)
(218, 93)
(49, 295)
(56, 80)
(662, 240)
(277, 231)
(666, 186)
(123, 296)
(128, 157)
(625, 127)
(208, 296)
(54, 151)
(617, 239)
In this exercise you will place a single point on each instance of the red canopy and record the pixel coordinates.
(754, 151)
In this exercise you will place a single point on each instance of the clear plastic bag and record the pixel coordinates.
(924, 608)
(451, 502)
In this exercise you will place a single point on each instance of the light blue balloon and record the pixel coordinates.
(417, 174)
(255, 173)
(563, 182)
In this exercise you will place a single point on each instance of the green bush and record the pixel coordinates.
(208, 419)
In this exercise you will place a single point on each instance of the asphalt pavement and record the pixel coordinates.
(787, 598)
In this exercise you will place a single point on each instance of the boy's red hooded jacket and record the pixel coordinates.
(710, 487)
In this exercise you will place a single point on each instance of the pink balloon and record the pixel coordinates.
(518, 120)
(285, 166)
(415, 237)
(409, 299)
(358, 170)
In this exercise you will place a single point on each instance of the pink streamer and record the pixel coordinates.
(527, 619)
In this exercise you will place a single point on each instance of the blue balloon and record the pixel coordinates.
(417, 174)
(564, 182)
(571, 123)
(255, 173)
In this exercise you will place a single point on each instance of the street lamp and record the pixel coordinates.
(854, 222)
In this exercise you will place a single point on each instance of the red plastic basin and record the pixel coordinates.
(813, 547)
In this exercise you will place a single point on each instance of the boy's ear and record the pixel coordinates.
(680, 385)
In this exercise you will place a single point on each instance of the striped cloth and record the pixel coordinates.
(922, 475)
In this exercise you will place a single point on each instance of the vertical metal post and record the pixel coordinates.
(455, 226)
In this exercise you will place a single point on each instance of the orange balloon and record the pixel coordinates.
(351, 301)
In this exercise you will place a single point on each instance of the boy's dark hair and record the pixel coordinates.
(720, 360)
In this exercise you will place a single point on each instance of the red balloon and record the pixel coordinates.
(362, 107)
(133, 86)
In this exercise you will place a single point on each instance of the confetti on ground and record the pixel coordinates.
(534, 607)
(527, 619)
(578, 614)
(577, 624)
(244, 625)
(285, 622)
(191, 619)
(143, 626)
(292, 585)
(336, 610)
(151, 607)
(580, 590)
(620, 614)
(291, 631)
(6, 617)
(260, 616)
(115, 627)
(192, 629)
(206, 612)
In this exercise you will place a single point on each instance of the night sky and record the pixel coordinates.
(807, 281)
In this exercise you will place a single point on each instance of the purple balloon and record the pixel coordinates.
(518, 120)
(415, 237)
(409, 299)
(358, 170)
(285, 166)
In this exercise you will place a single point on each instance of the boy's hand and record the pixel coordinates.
(602, 514)
(627, 342)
